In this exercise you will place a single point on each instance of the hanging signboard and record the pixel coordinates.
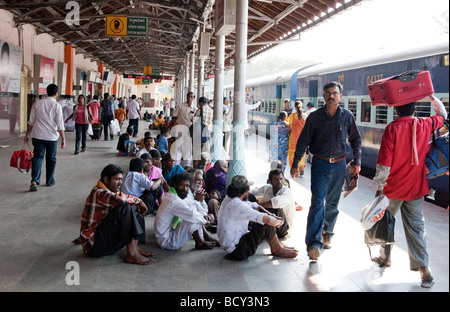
(123, 26)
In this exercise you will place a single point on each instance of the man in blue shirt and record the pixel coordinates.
(327, 132)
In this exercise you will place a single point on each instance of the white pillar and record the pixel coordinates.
(192, 72)
(201, 75)
(237, 162)
(217, 150)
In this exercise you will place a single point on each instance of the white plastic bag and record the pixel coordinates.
(373, 212)
(115, 128)
(90, 131)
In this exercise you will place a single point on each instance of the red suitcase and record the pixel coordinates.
(401, 89)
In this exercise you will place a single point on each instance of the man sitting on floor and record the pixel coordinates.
(277, 199)
(241, 228)
(109, 220)
(176, 222)
(136, 183)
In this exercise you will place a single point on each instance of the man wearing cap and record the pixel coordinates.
(241, 227)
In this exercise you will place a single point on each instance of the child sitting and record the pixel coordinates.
(162, 142)
(136, 183)
(121, 145)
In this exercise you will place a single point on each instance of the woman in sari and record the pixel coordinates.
(279, 140)
(296, 123)
(169, 168)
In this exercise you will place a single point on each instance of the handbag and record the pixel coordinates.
(22, 159)
(381, 233)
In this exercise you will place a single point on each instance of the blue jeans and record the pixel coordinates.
(326, 187)
(48, 149)
(80, 135)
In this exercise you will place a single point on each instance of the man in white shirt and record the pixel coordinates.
(311, 108)
(185, 114)
(241, 228)
(278, 199)
(170, 232)
(136, 183)
(134, 113)
(45, 126)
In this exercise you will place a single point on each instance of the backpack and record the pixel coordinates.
(437, 155)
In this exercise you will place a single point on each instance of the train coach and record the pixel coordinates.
(306, 84)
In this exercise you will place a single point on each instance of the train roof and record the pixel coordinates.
(325, 68)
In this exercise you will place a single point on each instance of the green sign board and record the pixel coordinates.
(137, 26)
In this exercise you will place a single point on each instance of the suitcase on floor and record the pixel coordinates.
(96, 131)
(401, 89)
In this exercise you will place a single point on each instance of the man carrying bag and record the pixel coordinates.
(401, 176)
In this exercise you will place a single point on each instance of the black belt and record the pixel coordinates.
(330, 160)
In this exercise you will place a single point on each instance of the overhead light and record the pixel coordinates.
(265, 1)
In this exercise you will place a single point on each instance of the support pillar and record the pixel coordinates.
(101, 70)
(68, 58)
(217, 150)
(237, 162)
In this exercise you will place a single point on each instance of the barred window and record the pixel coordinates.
(352, 106)
(381, 114)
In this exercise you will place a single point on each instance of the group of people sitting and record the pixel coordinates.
(186, 207)
(158, 121)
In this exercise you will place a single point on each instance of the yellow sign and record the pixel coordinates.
(116, 25)
(147, 70)
(138, 81)
(446, 61)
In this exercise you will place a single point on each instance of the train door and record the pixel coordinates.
(279, 96)
(313, 92)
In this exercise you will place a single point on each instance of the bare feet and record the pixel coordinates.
(205, 245)
(145, 253)
(285, 252)
(138, 259)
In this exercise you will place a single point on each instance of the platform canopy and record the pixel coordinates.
(172, 27)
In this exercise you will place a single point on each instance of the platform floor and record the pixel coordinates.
(36, 230)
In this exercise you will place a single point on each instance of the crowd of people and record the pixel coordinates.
(191, 199)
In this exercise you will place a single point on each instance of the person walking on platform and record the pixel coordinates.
(134, 113)
(82, 115)
(107, 115)
(45, 126)
(326, 132)
(296, 122)
(401, 176)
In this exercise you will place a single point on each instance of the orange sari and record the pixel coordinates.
(296, 127)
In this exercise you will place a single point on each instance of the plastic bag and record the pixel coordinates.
(373, 212)
(115, 127)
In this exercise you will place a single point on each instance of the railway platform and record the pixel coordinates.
(37, 229)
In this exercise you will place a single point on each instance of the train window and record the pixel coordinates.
(423, 109)
(365, 110)
(381, 114)
(352, 107)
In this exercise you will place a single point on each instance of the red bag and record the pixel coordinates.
(401, 89)
(22, 160)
